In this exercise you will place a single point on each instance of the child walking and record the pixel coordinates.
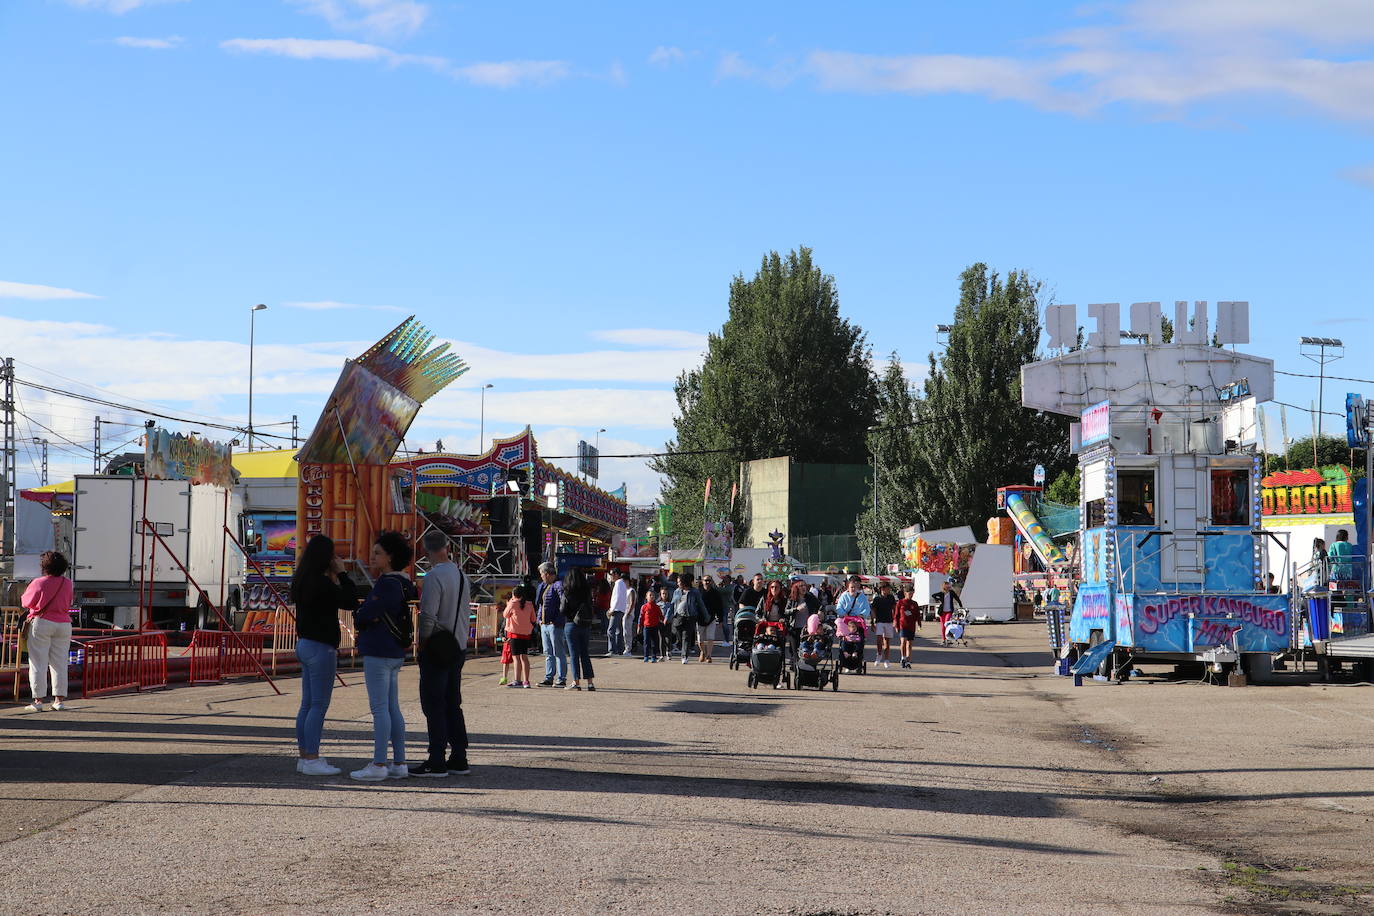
(650, 622)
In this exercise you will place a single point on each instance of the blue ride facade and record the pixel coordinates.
(1170, 552)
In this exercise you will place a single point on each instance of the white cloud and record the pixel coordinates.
(118, 7)
(511, 73)
(654, 337)
(314, 49)
(1328, 21)
(1158, 54)
(495, 74)
(9, 290)
(331, 306)
(379, 18)
(666, 56)
(151, 44)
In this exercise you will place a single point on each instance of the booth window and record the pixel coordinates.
(1095, 514)
(1135, 497)
(1230, 496)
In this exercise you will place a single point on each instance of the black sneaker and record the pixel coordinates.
(428, 768)
(458, 766)
(544, 684)
(561, 684)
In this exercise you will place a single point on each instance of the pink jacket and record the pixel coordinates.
(520, 617)
(49, 597)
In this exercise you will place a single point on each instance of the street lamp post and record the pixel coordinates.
(873, 447)
(252, 335)
(482, 423)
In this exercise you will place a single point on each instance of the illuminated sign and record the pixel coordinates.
(1096, 423)
(1307, 492)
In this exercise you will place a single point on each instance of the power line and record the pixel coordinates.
(1334, 378)
(105, 391)
(147, 413)
(1329, 413)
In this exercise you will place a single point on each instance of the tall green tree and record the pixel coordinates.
(786, 375)
(894, 446)
(972, 434)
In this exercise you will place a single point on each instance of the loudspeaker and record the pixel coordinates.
(501, 510)
(532, 534)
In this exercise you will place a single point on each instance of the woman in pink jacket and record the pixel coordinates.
(48, 600)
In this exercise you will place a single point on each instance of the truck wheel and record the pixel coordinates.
(204, 617)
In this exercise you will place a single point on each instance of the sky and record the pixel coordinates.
(565, 191)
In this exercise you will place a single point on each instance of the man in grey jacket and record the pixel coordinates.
(444, 601)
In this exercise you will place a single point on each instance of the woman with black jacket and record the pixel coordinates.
(319, 591)
(581, 614)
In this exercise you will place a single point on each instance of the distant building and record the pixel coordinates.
(813, 505)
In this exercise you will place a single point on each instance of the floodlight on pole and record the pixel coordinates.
(1321, 358)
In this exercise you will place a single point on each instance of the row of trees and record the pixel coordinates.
(788, 375)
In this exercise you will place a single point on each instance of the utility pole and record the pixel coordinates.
(873, 446)
(43, 475)
(295, 430)
(10, 482)
(96, 460)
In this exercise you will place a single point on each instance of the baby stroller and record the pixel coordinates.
(742, 641)
(956, 631)
(814, 665)
(766, 660)
(853, 636)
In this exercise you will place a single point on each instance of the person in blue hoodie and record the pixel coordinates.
(382, 619)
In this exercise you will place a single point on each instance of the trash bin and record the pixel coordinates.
(1319, 616)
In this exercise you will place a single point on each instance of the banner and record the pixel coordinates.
(172, 456)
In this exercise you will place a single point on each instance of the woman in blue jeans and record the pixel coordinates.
(581, 613)
(319, 591)
(381, 613)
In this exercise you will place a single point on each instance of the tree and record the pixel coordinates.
(894, 444)
(1064, 488)
(1330, 450)
(786, 375)
(972, 434)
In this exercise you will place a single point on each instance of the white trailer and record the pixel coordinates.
(111, 549)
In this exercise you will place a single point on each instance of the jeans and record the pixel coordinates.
(380, 673)
(555, 652)
(687, 636)
(615, 633)
(650, 643)
(49, 645)
(441, 700)
(318, 663)
(579, 648)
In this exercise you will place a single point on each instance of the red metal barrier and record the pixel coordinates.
(154, 673)
(214, 657)
(113, 663)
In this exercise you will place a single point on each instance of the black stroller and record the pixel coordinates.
(766, 661)
(815, 664)
(742, 640)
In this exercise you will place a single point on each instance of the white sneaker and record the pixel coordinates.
(684, 661)
(35, 706)
(373, 772)
(58, 705)
(317, 767)
(397, 771)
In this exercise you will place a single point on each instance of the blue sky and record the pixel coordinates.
(565, 191)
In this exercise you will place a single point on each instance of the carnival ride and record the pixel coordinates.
(1171, 551)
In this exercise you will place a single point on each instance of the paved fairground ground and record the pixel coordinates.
(976, 782)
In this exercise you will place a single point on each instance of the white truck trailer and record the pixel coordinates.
(110, 550)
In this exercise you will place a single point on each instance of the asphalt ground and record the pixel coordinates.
(976, 782)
